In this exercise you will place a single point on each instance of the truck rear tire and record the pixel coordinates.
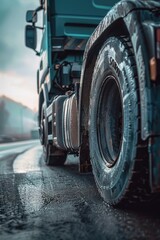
(51, 158)
(119, 157)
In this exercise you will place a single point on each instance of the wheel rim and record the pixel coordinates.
(110, 121)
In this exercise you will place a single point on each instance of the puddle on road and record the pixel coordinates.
(30, 186)
(32, 197)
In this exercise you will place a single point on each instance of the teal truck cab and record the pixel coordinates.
(99, 91)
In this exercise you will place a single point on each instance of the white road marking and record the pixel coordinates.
(17, 147)
(29, 161)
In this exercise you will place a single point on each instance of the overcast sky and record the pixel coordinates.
(18, 64)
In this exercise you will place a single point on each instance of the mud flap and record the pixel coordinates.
(154, 154)
(85, 164)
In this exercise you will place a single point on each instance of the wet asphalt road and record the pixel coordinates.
(40, 202)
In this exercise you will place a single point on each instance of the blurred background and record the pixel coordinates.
(18, 66)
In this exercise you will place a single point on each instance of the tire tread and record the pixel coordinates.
(138, 189)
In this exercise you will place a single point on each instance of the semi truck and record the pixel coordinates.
(17, 122)
(99, 91)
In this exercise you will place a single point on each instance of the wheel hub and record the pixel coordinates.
(110, 121)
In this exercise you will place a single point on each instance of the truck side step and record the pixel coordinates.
(50, 139)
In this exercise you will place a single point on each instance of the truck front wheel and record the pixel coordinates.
(118, 155)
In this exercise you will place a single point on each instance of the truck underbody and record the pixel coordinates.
(98, 85)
